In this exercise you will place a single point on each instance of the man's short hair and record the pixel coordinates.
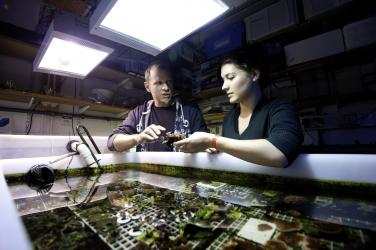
(161, 65)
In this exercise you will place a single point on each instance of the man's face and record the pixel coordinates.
(160, 85)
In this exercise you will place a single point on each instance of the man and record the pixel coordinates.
(146, 125)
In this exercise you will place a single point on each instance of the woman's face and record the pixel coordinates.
(237, 83)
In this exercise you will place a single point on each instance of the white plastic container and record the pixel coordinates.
(276, 17)
(315, 7)
(323, 45)
(361, 33)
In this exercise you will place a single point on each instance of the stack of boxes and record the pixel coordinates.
(304, 83)
(276, 17)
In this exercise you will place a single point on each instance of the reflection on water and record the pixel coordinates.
(138, 210)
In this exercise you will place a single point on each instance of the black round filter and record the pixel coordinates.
(40, 176)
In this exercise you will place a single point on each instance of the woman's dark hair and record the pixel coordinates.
(249, 59)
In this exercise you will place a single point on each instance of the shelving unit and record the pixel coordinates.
(329, 20)
(307, 92)
(208, 93)
(339, 60)
(334, 61)
(29, 97)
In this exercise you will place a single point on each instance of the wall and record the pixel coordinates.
(54, 125)
(20, 71)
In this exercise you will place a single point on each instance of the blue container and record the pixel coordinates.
(226, 40)
(137, 67)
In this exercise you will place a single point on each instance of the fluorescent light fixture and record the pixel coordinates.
(150, 25)
(69, 55)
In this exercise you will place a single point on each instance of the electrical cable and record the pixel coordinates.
(28, 128)
(67, 168)
(75, 86)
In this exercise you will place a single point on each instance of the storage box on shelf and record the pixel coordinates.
(348, 80)
(217, 104)
(312, 48)
(316, 7)
(284, 88)
(228, 39)
(360, 34)
(130, 98)
(214, 118)
(214, 122)
(135, 67)
(275, 54)
(207, 93)
(312, 83)
(368, 72)
(274, 18)
(214, 110)
(215, 129)
(185, 52)
(206, 76)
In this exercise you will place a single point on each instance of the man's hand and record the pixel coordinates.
(197, 142)
(150, 134)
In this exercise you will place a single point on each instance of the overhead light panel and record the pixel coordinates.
(150, 25)
(66, 54)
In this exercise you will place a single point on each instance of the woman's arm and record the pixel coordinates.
(259, 151)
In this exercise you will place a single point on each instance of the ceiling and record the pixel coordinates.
(24, 23)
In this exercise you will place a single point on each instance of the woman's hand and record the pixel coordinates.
(197, 142)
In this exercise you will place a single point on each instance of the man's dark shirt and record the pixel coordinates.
(276, 121)
(164, 117)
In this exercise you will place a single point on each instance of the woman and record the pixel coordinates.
(256, 130)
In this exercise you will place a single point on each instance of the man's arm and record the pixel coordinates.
(123, 137)
(123, 142)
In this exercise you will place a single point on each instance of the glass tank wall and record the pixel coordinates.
(131, 209)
